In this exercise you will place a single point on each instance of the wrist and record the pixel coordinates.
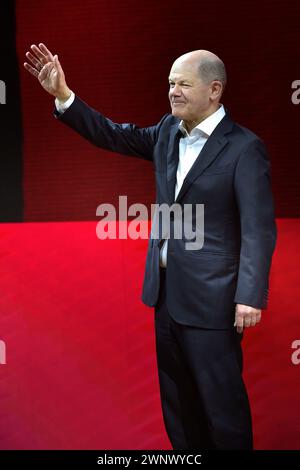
(64, 95)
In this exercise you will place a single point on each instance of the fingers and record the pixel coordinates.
(255, 319)
(246, 316)
(239, 323)
(38, 65)
(39, 58)
(40, 74)
(46, 52)
(32, 70)
(42, 57)
(247, 320)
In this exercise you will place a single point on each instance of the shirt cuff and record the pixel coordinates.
(62, 107)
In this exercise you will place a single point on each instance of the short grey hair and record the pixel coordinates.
(212, 69)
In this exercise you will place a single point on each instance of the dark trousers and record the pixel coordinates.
(203, 397)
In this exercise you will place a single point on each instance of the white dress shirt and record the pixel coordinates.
(190, 145)
(62, 107)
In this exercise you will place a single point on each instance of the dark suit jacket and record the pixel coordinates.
(231, 178)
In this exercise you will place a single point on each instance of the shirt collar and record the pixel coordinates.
(207, 126)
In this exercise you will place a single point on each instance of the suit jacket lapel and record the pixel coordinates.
(173, 159)
(213, 146)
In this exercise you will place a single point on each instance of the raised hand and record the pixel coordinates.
(48, 70)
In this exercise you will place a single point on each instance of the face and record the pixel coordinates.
(190, 98)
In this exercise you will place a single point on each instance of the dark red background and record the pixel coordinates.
(117, 56)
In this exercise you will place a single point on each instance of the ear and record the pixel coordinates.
(216, 90)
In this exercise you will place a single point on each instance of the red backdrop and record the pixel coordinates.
(80, 368)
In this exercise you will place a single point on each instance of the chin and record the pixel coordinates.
(177, 113)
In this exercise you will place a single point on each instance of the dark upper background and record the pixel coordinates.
(117, 56)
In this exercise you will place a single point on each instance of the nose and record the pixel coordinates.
(176, 90)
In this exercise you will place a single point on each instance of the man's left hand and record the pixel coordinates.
(246, 316)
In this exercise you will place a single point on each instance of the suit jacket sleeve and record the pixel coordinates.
(127, 139)
(258, 228)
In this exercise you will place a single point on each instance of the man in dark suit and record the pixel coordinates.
(203, 297)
